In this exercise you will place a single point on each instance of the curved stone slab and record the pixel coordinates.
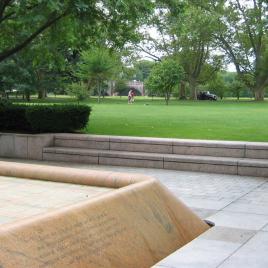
(136, 225)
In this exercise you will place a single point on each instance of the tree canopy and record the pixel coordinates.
(23, 21)
(41, 39)
(163, 77)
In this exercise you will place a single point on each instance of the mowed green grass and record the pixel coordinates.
(221, 120)
(245, 120)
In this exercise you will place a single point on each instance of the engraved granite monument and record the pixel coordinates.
(134, 226)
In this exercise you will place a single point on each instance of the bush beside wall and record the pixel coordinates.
(58, 118)
(43, 118)
(13, 118)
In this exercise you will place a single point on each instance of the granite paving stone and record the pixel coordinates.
(265, 228)
(248, 221)
(252, 255)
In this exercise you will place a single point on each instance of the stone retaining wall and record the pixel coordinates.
(26, 146)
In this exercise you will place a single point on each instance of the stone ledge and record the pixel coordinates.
(82, 137)
(225, 165)
(201, 159)
(260, 163)
(216, 148)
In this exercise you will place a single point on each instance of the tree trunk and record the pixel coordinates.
(167, 96)
(182, 91)
(42, 93)
(99, 91)
(259, 94)
(27, 95)
(192, 84)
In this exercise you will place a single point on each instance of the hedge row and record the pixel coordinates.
(43, 118)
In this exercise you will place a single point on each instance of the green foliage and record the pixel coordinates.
(75, 23)
(186, 32)
(236, 87)
(78, 90)
(13, 117)
(142, 69)
(58, 118)
(218, 86)
(242, 34)
(4, 102)
(121, 86)
(43, 118)
(163, 77)
(98, 65)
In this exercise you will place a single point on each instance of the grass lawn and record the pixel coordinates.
(221, 120)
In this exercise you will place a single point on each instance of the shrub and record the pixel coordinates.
(78, 90)
(13, 117)
(4, 102)
(44, 118)
(58, 118)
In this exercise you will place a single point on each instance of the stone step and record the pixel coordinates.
(164, 146)
(224, 165)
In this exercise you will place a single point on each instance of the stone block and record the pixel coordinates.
(79, 143)
(70, 136)
(198, 167)
(258, 150)
(253, 171)
(257, 153)
(209, 151)
(228, 161)
(141, 147)
(71, 151)
(36, 143)
(253, 167)
(7, 145)
(130, 162)
(75, 158)
(131, 155)
(21, 146)
(124, 139)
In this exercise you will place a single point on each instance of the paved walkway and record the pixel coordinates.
(238, 206)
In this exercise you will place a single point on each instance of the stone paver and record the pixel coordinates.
(247, 221)
(265, 229)
(237, 205)
(251, 255)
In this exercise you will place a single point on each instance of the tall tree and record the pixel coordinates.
(186, 31)
(195, 42)
(97, 66)
(23, 21)
(163, 78)
(242, 34)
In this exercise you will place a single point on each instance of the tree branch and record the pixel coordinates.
(149, 53)
(5, 54)
(250, 34)
(3, 5)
